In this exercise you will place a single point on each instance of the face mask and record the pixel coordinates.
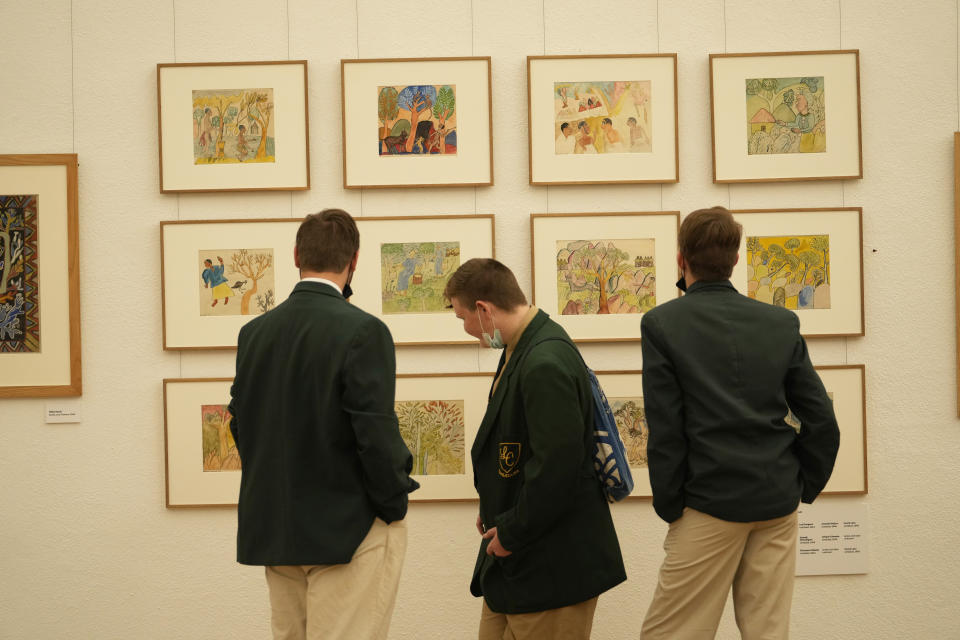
(347, 290)
(496, 342)
(682, 283)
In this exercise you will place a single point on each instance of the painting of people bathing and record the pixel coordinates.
(606, 276)
(235, 282)
(233, 126)
(785, 115)
(417, 119)
(414, 274)
(602, 117)
(789, 271)
(433, 430)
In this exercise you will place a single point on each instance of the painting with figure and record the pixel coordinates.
(233, 126)
(417, 119)
(789, 271)
(233, 282)
(19, 295)
(792, 419)
(786, 115)
(606, 276)
(632, 425)
(434, 432)
(219, 449)
(602, 117)
(414, 274)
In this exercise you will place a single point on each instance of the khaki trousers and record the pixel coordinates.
(566, 623)
(341, 601)
(705, 555)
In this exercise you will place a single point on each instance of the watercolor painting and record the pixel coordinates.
(414, 274)
(632, 425)
(219, 449)
(602, 117)
(233, 126)
(606, 276)
(417, 119)
(792, 419)
(19, 295)
(235, 282)
(786, 115)
(434, 432)
(789, 271)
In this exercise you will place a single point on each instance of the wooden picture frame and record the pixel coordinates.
(451, 135)
(770, 114)
(565, 246)
(40, 353)
(845, 384)
(263, 128)
(201, 463)
(570, 100)
(956, 257)
(778, 244)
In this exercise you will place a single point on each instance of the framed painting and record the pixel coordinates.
(807, 260)
(216, 275)
(956, 259)
(39, 276)
(597, 273)
(844, 384)
(428, 119)
(786, 116)
(404, 265)
(201, 459)
(233, 126)
(439, 415)
(602, 119)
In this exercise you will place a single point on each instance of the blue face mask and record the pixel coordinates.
(496, 342)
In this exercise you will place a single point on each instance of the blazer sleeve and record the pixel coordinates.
(233, 407)
(663, 406)
(819, 438)
(369, 382)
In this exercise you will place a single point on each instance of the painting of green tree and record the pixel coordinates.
(233, 126)
(219, 449)
(786, 115)
(606, 276)
(789, 271)
(414, 274)
(434, 432)
(632, 425)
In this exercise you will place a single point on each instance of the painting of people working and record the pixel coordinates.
(241, 284)
(19, 296)
(233, 125)
(786, 115)
(602, 117)
(433, 430)
(417, 119)
(219, 449)
(606, 276)
(789, 271)
(414, 274)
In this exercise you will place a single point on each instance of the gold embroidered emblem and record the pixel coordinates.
(509, 459)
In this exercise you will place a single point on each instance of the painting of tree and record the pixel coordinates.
(219, 450)
(785, 115)
(254, 266)
(246, 274)
(434, 432)
(413, 275)
(789, 271)
(632, 425)
(606, 276)
(423, 116)
(223, 118)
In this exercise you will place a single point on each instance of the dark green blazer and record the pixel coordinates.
(313, 418)
(719, 373)
(533, 468)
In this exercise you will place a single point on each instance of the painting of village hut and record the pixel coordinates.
(606, 276)
(786, 115)
(602, 117)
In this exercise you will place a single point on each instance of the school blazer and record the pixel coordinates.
(533, 469)
(313, 418)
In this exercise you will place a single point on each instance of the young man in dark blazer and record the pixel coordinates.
(720, 372)
(548, 547)
(325, 478)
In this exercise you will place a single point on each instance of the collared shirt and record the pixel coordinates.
(512, 344)
(324, 281)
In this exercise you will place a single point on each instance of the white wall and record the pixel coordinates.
(87, 549)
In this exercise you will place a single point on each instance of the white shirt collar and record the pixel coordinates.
(324, 281)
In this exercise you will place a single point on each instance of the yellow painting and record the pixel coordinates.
(606, 276)
(233, 126)
(434, 432)
(789, 271)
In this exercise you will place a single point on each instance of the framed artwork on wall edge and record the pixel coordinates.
(786, 116)
(233, 126)
(633, 255)
(433, 117)
(956, 241)
(807, 260)
(40, 353)
(603, 119)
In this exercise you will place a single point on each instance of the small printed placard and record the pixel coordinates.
(63, 411)
(832, 538)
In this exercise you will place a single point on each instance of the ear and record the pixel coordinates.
(353, 262)
(736, 259)
(680, 262)
(296, 257)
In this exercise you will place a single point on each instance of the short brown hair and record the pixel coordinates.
(327, 241)
(709, 240)
(485, 279)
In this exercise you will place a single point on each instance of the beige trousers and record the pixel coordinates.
(705, 556)
(341, 601)
(566, 623)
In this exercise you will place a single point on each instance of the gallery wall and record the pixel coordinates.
(87, 547)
